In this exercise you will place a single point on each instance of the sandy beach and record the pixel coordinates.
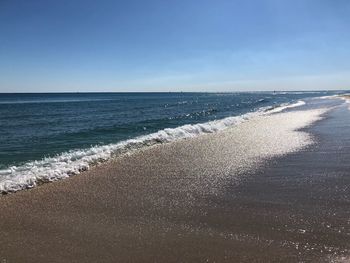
(273, 194)
(174, 131)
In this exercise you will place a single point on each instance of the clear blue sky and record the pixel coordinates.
(173, 45)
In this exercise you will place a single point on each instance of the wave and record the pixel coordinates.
(347, 100)
(326, 97)
(345, 97)
(285, 106)
(298, 92)
(71, 163)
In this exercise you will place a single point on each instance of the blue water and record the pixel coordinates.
(34, 126)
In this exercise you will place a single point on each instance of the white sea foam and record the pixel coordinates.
(70, 163)
(327, 97)
(287, 106)
(342, 97)
(347, 99)
(298, 92)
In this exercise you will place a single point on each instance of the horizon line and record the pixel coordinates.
(248, 91)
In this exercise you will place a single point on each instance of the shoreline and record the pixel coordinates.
(67, 164)
(190, 200)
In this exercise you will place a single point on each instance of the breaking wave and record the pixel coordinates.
(285, 106)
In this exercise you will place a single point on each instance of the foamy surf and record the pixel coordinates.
(71, 163)
(287, 106)
(347, 100)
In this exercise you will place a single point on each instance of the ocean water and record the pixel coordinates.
(45, 137)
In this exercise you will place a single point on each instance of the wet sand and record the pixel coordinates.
(197, 200)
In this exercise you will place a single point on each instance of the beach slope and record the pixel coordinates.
(274, 188)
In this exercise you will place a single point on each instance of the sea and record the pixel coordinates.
(49, 136)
